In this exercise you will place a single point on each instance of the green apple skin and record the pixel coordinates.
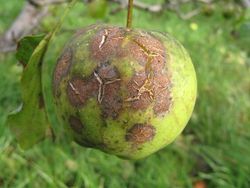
(127, 92)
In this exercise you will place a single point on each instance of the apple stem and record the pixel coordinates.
(130, 14)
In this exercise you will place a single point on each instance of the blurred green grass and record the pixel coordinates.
(214, 147)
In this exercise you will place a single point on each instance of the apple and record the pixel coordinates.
(128, 92)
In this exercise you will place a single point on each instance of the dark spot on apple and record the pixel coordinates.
(147, 51)
(80, 89)
(140, 133)
(107, 71)
(163, 98)
(103, 84)
(112, 101)
(106, 44)
(76, 124)
(144, 91)
(110, 96)
(140, 91)
(62, 69)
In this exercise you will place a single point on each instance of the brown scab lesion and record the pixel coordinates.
(106, 43)
(105, 74)
(152, 85)
(104, 84)
(140, 133)
(76, 124)
(109, 95)
(79, 90)
(61, 70)
(148, 52)
(163, 96)
(142, 92)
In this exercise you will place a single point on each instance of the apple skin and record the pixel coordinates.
(127, 92)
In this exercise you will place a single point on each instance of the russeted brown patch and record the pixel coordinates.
(144, 91)
(147, 51)
(76, 124)
(107, 43)
(140, 133)
(79, 90)
(103, 84)
(140, 91)
(61, 69)
(163, 98)
(153, 84)
(115, 42)
(107, 72)
(111, 101)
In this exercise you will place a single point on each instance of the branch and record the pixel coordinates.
(189, 14)
(29, 18)
(246, 3)
(173, 6)
(151, 8)
(139, 5)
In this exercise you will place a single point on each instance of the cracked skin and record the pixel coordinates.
(125, 92)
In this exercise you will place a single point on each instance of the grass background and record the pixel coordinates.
(213, 150)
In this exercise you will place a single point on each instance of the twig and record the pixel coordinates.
(29, 18)
(189, 14)
(245, 3)
(151, 8)
(139, 5)
(156, 8)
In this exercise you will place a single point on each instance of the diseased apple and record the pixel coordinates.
(127, 92)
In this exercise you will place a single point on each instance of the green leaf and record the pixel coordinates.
(26, 46)
(30, 123)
